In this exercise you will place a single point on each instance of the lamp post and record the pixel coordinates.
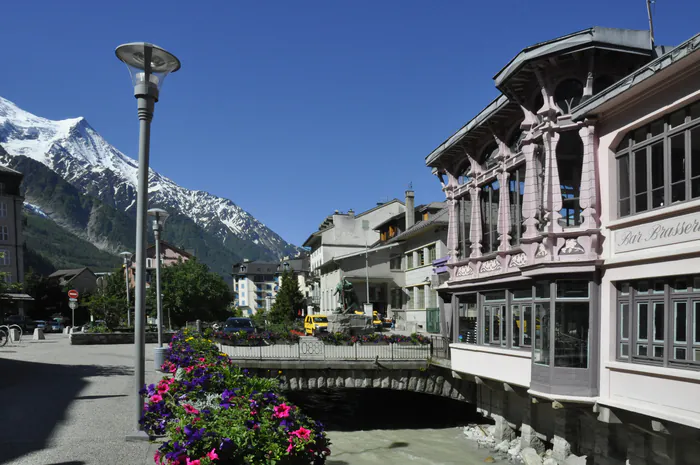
(365, 227)
(148, 65)
(127, 261)
(159, 216)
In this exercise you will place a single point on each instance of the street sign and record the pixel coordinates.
(73, 304)
(73, 294)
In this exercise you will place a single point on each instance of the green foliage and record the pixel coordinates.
(109, 308)
(50, 244)
(289, 300)
(236, 312)
(49, 297)
(191, 292)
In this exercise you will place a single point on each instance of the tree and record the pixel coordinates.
(191, 292)
(107, 307)
(289, 300)
(48, 296)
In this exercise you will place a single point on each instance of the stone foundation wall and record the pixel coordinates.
(433, 381)
(566, 433)
(83, 339)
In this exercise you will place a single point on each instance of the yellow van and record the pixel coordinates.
(315, 324)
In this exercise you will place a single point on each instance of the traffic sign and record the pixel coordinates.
(73, 294)
(73, 304)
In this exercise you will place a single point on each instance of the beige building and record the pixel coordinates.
(11, 237)
(169, 255)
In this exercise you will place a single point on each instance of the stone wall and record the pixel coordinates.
(433, 380)
(82, 339)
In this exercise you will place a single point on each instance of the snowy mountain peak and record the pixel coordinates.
(79, 154)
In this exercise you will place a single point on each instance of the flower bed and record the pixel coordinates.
(262, 338)
(212, 412)
(375, 338)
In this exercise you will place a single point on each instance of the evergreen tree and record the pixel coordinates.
(289, 301)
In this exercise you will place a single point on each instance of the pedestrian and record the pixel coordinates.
(393, 322)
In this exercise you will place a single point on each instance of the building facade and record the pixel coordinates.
(169, 255)
(570, 248)
(342, 234)
(398, 267)
(11, 224)
(255, 284)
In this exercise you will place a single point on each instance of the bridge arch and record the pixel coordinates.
(425, 379)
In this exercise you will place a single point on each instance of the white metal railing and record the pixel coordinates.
(314, 349)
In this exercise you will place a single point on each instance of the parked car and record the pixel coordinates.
(315, 324)
(23, 322)
(56, 326)
(234, 325)
(43, 325)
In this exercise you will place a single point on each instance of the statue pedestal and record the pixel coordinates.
(352, 324)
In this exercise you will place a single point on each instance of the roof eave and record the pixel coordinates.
(610, 95)
(491, 109)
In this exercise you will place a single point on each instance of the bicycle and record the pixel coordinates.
(5, 333)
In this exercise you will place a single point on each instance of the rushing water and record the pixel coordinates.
(377, 426)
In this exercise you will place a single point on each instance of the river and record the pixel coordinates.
(376, 426)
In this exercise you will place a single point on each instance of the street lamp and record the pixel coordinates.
(159, 216)
(127, 262)
(148, 65)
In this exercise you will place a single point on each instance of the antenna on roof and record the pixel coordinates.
(410, 186)
(651, 23)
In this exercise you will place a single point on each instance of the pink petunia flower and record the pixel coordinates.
(202, 359)
(193, 462)
(189, 409)
(291, 445)
(302, 433)
(156, 457)
(281, 411)
(212, 455)
(156, 398)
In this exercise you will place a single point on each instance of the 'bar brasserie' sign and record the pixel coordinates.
(655, 234)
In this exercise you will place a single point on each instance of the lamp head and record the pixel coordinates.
(148, 65)
(126, 255)
(159, 216)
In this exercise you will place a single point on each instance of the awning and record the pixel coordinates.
(11, 296)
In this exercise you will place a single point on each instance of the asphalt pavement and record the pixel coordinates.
(69, 405)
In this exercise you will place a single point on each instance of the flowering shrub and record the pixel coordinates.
(212, 412)
(242, 338)
(374, 338)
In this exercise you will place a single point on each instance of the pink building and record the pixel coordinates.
(169, 255)
(573, 290)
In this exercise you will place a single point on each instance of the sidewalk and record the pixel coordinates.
(64, 404)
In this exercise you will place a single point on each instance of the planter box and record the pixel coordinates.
(83, 339)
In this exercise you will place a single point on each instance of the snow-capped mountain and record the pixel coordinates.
(82, 157)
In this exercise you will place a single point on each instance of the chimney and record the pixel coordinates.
(410, 209)
(351, 212)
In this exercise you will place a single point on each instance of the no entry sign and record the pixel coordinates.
(73, 294)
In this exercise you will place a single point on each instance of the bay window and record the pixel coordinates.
(659, 164)
(659, 321)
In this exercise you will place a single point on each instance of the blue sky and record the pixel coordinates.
(293, 109)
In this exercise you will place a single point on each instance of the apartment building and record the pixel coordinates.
(571, 292)
(341, 234)
(256, 283)
(397, 269)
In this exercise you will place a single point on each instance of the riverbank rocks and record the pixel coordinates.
(529, 456)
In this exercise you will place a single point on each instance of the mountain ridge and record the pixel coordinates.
(76, 153)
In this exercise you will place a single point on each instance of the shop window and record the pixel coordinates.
(571, 336)
(572, 289)
(420, 258)
(541, 352)
(409, 260)
(663, 327)
(516, 191)
(521, 330)
(653, 173)
(489, 217)
(570, 159)
(432, 253)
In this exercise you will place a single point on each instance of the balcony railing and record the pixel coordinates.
(313, 349)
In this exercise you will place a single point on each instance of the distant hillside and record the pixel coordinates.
(49, 244)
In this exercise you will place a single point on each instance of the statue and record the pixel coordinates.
(346, 298)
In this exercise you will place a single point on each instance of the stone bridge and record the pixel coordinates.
(415, 376)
